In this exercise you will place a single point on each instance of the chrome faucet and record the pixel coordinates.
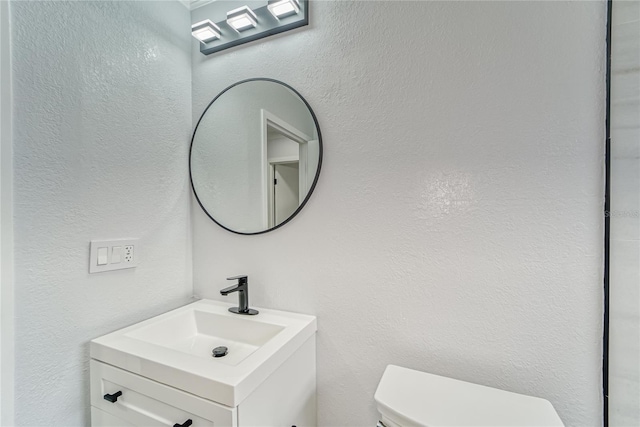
(242, 288)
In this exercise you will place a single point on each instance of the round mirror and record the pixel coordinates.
(255, 156)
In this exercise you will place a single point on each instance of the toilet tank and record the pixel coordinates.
(408, 398)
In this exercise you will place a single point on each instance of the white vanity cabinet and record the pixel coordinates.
(138, 401)
(128, 389)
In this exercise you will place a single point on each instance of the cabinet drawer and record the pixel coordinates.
(144, 402)
(100, 418)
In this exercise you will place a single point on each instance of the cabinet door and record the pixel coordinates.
(288, 396)
(143, 402)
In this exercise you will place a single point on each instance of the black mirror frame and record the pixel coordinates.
(315, 179)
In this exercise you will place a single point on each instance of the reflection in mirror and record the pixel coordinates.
(255, 156)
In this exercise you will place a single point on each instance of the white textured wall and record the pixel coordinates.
(457, 223)
(624, 312)
(102, 118)
(7, 356)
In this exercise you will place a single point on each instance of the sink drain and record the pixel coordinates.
(220, 351)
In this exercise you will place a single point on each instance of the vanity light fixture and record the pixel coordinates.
(242, 19)
(283, 8)
(246, 24)
(205, 31)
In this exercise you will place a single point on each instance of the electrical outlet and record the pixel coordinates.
(128, 254)
(106, 255)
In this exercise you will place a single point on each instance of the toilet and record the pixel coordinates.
(408, 398)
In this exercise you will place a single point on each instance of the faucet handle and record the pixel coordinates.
(242, 287)
(241, 279)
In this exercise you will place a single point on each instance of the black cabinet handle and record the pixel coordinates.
(184, 424)
(113, 397)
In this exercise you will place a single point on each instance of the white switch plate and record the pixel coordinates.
(129, 250)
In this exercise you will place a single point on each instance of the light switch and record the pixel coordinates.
(116, 254)
(103, 256)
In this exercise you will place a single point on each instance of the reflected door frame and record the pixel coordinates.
(272, 185)
(270, 120)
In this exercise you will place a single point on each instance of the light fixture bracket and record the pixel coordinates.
(266, 25)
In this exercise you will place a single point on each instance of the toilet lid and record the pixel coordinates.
(413, 398)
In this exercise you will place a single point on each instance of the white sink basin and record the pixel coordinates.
(175, 348)
(198, 332)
